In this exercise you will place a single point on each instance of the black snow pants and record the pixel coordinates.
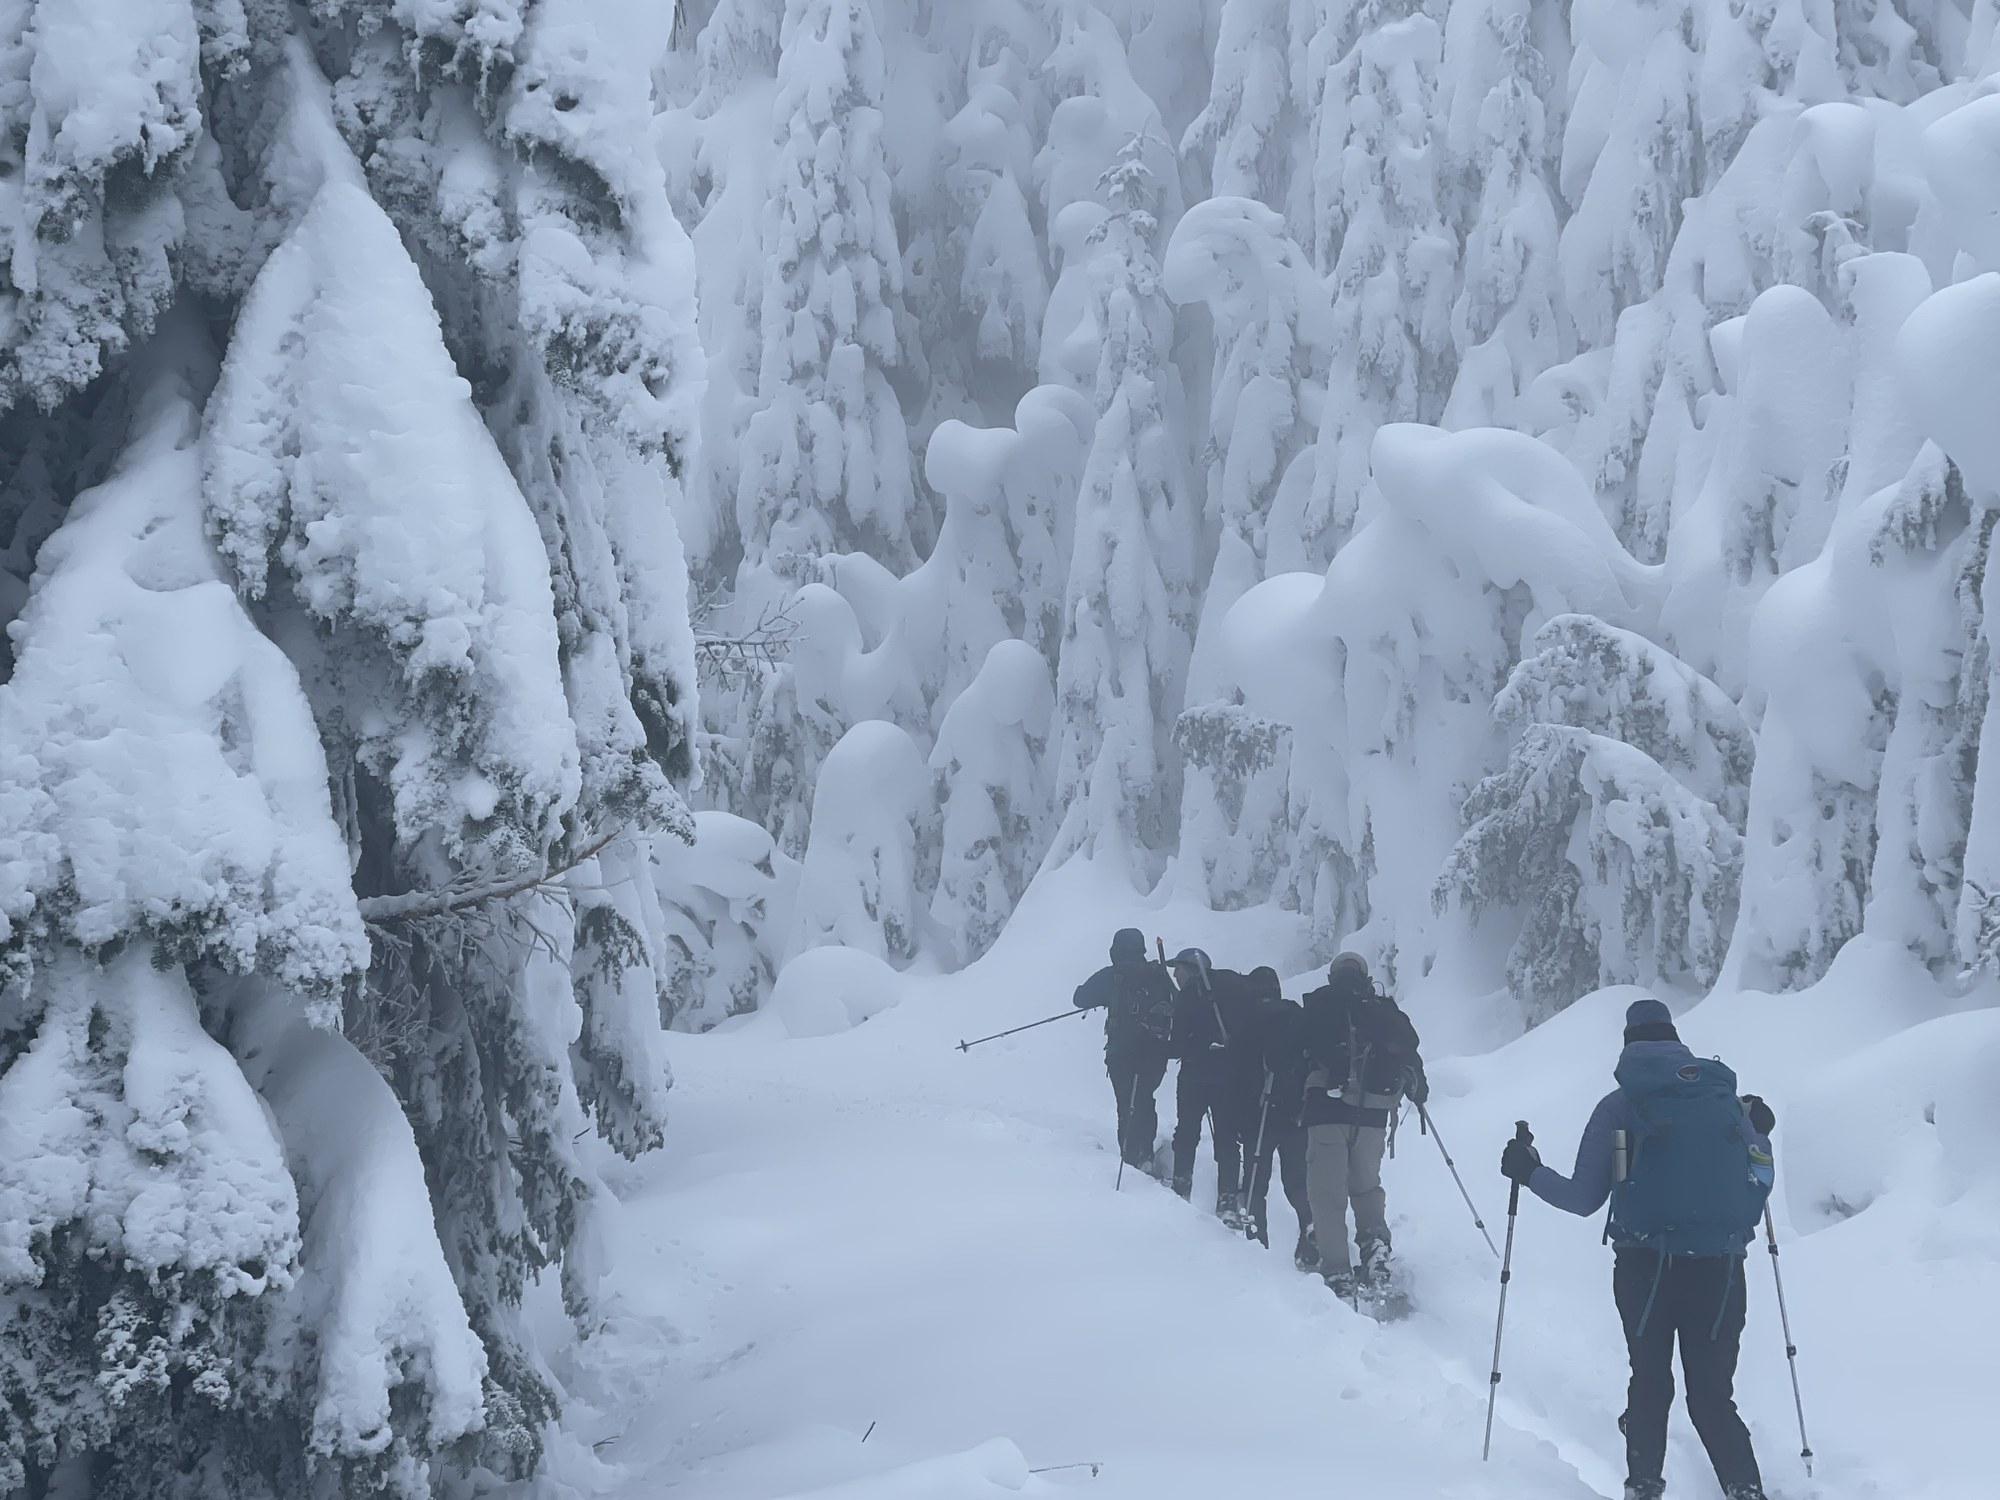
(1136, 1068)
(1284, 1142)
(1206, 1088)
(1700, 1302)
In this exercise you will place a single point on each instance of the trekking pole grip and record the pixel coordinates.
(1527, 1138)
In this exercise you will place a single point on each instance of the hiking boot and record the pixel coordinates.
(1744, 1492)
(1306, 1255)
(1645, 1489)
(1343, 1285)
(1374, 1267)
(1184, 1186)
(1226, 1209)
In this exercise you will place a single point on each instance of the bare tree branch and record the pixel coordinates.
(415, 905)
(726, 658)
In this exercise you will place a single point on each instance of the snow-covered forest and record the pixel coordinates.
(531, 526)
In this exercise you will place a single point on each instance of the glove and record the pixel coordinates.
(1761, 1119)
(1518, 1162)
(1416, 1087)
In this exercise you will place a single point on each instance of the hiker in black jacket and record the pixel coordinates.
(1272, 1132)
(1138, 1001)
(1363, 1059)
(1211, 1035)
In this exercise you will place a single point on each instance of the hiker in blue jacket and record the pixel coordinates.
(1686, 1164)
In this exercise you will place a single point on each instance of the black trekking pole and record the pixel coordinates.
(1124, 1128)
(1791, 1349)
(1045, 1021)
(1526, 1138)
(1257, 1162)
(1430, 1128)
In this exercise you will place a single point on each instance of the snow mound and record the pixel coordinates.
(825, 991)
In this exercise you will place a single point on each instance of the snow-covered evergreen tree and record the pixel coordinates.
(827, 464)
(1128, 615)
(1273, 330)
(872, 851)
(382, 621)
(728, 902)
(1379, 231)
(1249, 131)
(1235, 817)
(990, 763)
(1617, 873)
(1613, 834)
(1509, 322)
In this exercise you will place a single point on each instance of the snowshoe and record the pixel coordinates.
(1380, 1286)
(1384, 1301)
(1306, 1254)
(1227, 1210)
(1343, 1285)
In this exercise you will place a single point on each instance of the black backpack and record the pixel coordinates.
(1364, 1039)
(1143, 996)
(1382, 1045)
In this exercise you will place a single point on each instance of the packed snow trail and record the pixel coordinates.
(872, 1267)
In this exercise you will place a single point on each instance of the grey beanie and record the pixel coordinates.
(1350, 967)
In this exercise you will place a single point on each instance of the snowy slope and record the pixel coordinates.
(870, 1227)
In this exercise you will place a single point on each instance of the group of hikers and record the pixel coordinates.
(1310, 1088)
(1316, 1088)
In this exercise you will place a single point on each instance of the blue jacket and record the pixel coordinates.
(1583, 1192)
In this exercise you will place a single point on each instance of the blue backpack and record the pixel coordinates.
(1692, 1186)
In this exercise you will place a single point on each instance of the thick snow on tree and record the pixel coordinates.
(862, 881)
(1379, 231)
(1617, 873)
(1128, 614)
(998, 570)
(1585, 674)
(1508, 322)
(828, 459)
(728, 902)
(1612, 839)
(218, 840)
(102, 107)
(1273, 328)
(1483, 537)
(331, 663)
(1249, 130)
(377, 1341)
(1235, 817)
(455, 619)
(149, 1234)
(991, 239)
(990, 764)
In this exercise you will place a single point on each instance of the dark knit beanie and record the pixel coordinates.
(1649, 1020)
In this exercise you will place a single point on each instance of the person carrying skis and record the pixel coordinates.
(1687, 1166)
(1275, 1091)
(1138, 1001)
(1211, 1031)
(1362, 1057)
